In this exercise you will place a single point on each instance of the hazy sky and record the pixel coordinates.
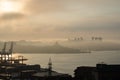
(36, 19)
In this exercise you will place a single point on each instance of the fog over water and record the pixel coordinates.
(37, 25)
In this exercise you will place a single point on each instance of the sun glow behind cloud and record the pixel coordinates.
(10, 6)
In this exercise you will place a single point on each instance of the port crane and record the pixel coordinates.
(6, 57)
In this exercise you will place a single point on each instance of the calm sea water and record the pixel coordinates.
(66, 63)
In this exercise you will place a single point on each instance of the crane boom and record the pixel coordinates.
(4, 48)
(11, 48)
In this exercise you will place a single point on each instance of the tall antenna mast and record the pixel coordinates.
(50, 67)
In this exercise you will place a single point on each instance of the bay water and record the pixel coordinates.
(68, 62)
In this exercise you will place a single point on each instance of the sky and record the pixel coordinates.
(51, 19)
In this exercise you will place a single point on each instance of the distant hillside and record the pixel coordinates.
(63, 47)
(93, 45)
(45, 49)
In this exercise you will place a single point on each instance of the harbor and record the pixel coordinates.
(59, 40)
(14, 68)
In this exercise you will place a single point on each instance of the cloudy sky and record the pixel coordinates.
(39, 19)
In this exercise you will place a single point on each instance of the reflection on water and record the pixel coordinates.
(66, 63)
